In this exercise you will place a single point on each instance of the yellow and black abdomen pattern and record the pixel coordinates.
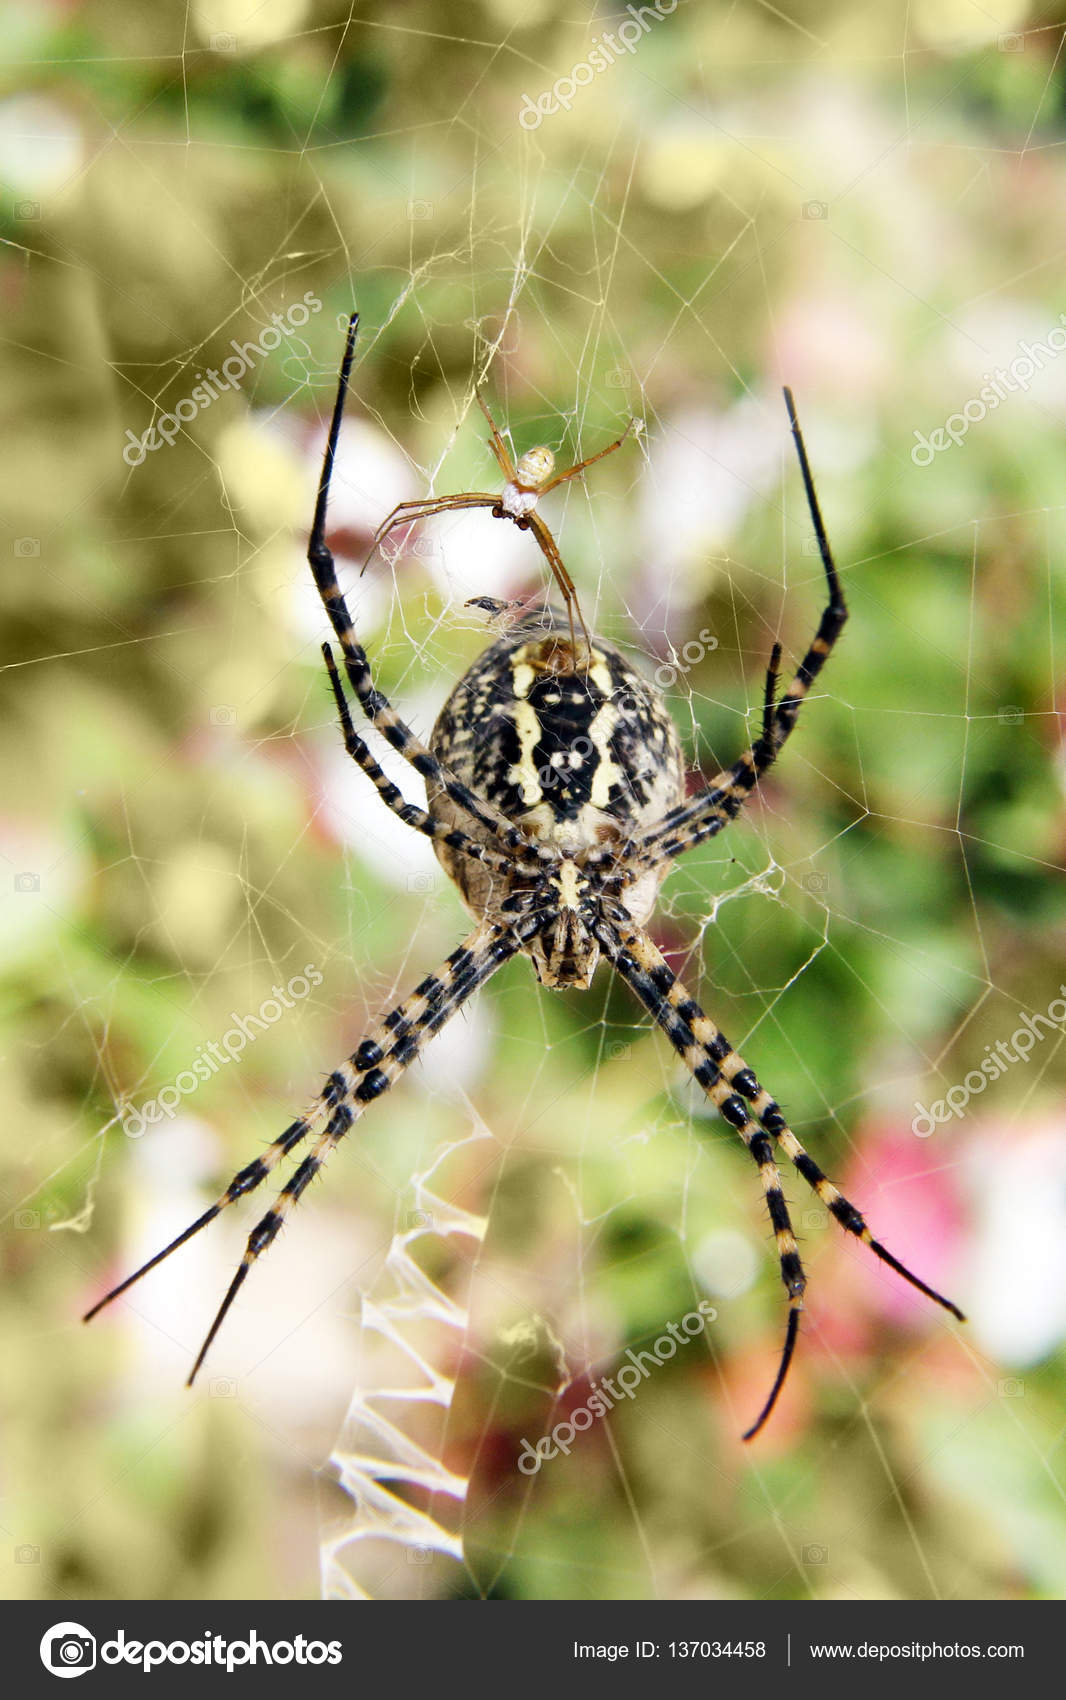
(576, 749)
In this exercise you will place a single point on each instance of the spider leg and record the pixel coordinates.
(369, 1072)
(590, 460)
(769, 698)
(406, 513)
(379, 711)
(748, 1107)
(487, 949)
(420, 819)
(722, 799)
(501, 453)
(549, 549)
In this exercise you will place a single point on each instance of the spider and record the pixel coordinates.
(523, 487)
(556, 792)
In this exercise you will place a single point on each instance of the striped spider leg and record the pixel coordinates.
(502, 851)
(717, 1068)
(748, 1108)
(390, 1047)
(722, 799)
(524, 485)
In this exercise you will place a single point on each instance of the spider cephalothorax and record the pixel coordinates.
(555, 790)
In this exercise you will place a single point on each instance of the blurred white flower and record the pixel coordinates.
(726, 1262)
(350, 807)
(41, 145)
(243, 26)
(1016, 1294)
(704, 471)
(455, 1058)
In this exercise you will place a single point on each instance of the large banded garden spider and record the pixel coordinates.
(555, 785)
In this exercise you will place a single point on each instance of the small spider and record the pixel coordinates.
(524, 485)
(556, 789)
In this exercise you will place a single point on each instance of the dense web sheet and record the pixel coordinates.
(529, 1212)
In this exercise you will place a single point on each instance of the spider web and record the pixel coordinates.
(741, 201)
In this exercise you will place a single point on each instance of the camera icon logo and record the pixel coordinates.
(27, 548)
(27, 881)
(816, 209)
(68, 1649)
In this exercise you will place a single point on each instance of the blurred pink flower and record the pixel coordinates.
(911, 1197)
(826, 344)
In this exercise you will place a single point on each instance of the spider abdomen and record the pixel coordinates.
(578, 751)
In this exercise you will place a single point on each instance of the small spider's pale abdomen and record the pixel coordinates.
(520, 494)
(534, 469)
(578, 752)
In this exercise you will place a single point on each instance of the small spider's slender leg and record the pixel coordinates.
(487, 949)
(590, 460)
(532, 522)
(501, 453)
(549, 549)
(746, 1106)
(358, 1080)
(722, 799)
(406, 513)
(420, 819)
(379, 711)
